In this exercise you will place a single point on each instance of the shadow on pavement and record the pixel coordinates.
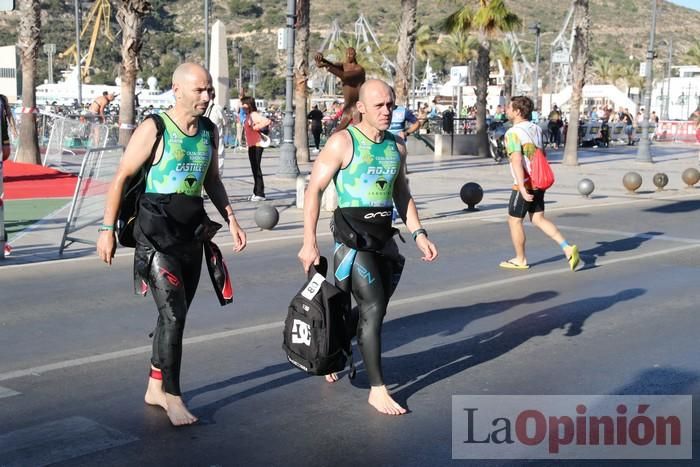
(417, 371)
(678, 206)
(590, 256)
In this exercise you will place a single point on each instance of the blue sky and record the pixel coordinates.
(695, 4)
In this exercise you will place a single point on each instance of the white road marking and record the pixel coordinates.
(7, 392)
(524, 276)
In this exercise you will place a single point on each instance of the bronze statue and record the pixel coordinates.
(352, 75)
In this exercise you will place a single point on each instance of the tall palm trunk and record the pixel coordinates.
(301, 78)
(582, 21)
(407, 41)
(130, 16)
(28, 42)
(482, 83)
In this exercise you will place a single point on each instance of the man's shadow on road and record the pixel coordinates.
(443, 322)
(590, 256)
(414, 372)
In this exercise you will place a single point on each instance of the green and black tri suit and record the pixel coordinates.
(367, 259)
(168, 255)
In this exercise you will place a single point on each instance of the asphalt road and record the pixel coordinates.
(75, 347)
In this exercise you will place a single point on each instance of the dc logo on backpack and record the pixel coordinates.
(301, 333)
(314, 334)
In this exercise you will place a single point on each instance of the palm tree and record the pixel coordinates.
(603, 70)
(491, 17)
(404, 55)
(627, 76)
(580, 55)
(130, 16)
(301, 78)
(426, 43)
(503, 52)
(692, 56)
(459, 47)
(28, 43)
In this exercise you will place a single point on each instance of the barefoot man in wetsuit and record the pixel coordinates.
(368, 166)
(352, 75)
(169, 250)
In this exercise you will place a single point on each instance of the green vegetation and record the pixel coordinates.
(175, 33)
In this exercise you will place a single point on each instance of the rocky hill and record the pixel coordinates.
(620, 29)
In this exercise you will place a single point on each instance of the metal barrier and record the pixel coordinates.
(69, 138)
(96, 171)
(676, 131)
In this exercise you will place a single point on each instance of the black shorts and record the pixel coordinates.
(518, 207)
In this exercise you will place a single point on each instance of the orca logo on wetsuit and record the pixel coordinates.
(372, 215)
(301, 333)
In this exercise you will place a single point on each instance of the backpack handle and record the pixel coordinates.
(320, 268)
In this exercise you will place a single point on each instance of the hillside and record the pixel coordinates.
(620, 29)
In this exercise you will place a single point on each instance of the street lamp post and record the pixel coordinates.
(288, 153)
(536, 87)
(206, 33)
(668, 78)
(77, 49)
(50, 49)
(643, 153)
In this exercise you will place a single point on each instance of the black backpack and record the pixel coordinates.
(133, 189)
(314, 337)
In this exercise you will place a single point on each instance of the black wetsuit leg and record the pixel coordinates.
(371, 278)
(172, 280)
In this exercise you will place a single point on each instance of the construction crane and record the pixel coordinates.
(98, 18)
(560, 60)
(522, 69)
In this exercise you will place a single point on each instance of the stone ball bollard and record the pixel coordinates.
(586, 187)
(690, 177)
(660, 181)
(632, 181)
(266, 217)
(471, 194)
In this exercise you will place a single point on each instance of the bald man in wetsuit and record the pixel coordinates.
(169, 250)
(352, 75)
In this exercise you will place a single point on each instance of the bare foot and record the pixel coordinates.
(380, 399)
(177, 411)
(155, 394)
(332, 378)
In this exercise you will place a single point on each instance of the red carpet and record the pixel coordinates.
(24, 181)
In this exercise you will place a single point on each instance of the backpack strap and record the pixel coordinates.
(160, 130)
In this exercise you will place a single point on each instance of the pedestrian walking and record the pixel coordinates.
(170, 221)
(522, 140)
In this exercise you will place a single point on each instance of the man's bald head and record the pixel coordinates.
(188, 71)
(192, 89)
(374, 86)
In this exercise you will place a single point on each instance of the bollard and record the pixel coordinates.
(471, 194)
(632, 181)
(690, 176)
(586, 187)
(660, 181)
(266, 217)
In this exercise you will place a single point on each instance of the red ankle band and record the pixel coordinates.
(156, 374)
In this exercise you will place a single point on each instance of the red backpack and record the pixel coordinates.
(541, 175)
